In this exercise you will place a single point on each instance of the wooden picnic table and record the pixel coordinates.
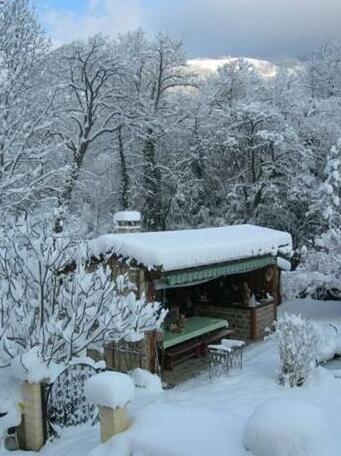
(192, 340)
(194, 327)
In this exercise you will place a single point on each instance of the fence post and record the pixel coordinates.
(31, 429)
(113, 421)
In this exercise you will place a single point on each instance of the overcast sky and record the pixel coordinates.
(210, 28)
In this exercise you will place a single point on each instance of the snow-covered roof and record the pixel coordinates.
(127, 216)
(174, 250)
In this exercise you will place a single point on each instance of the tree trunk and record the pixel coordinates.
(152, 210)
(72, 179)
(125, 182)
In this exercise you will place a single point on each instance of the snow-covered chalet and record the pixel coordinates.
(214, 282)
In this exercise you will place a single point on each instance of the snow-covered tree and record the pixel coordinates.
(51, 303)
(323, 71)
(328, 196)
(156, 74)
(86, 108)
(235, 81)
(27, 176)
(319, 272)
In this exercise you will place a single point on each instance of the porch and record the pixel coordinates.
(240, 306)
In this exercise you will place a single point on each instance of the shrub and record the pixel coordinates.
(298, 342)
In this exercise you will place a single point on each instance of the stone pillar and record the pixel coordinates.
(31, 430)
(113, 421)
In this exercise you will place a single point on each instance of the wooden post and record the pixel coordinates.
(113, 421)
(150, 336)
(31, 430)
(150, 292)
(109, 355)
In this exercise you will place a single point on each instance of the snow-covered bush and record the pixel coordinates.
(298, 342)
(49, 301)
(287, 427)
(146, 380)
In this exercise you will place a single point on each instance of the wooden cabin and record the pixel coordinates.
(215, 282)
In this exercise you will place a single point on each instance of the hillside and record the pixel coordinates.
(207, 66)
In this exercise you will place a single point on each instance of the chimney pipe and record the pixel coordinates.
(127, 222)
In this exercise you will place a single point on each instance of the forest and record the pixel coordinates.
(92, 127)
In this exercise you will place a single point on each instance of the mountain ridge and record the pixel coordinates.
(206, 66)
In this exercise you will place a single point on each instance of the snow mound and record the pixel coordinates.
(328, 349)
(10, 398)
(11, 414)
(30, 367)
(338, 346)
(287, 427)
(117, 446)
(146, 380)
(110, 389)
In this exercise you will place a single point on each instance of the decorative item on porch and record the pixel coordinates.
(179, 324)
(269, 273)
(246, 294)
(111, 391)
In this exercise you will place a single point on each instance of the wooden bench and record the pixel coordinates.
(181, 352)
(194, 348)
(215, 337)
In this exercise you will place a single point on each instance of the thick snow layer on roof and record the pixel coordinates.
(284, 264)
(127, 216)
(172, 250)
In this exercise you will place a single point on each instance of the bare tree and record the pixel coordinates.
(88, 111)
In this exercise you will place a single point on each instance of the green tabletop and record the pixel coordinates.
(194, 327)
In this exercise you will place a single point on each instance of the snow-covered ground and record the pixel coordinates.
(207, 417)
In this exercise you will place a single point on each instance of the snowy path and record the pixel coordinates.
(207, 418)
